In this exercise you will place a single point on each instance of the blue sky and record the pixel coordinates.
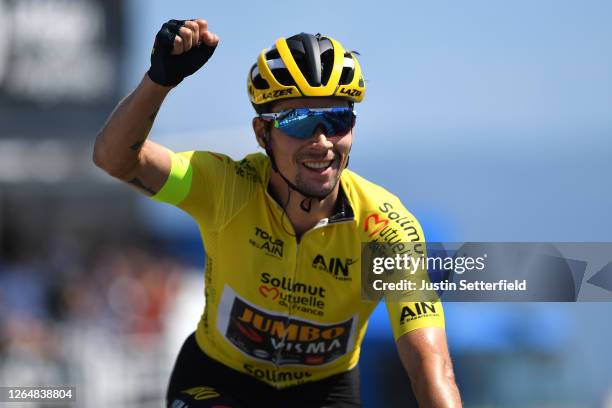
(496, 115)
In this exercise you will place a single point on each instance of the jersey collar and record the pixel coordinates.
(343, 210)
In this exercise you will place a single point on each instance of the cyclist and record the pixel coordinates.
(283, 318)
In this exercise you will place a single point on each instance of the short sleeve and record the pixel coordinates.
(177, 186)
(196, 184)
(406, 316)
(210, 186)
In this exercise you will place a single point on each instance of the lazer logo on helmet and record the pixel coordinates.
(276, 94)
(349, 92)
(280, 339)
(268, 244)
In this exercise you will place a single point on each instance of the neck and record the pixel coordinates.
(301, 220)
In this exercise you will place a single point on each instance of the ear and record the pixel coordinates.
(259, 127)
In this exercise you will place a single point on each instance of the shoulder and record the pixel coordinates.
(252, 167)
(215, 186)
(380, 214)
(364, 195)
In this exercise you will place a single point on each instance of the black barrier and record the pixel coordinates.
(59, 65)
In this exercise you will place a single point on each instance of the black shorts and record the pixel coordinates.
(214, 385)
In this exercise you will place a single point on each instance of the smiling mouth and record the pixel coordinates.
(318, 165)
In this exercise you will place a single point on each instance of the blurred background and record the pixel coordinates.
(490, 120)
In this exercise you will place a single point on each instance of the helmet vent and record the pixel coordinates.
(283, 77)
(347, 76)
(327, 64)
(272, 54)
(258, 81)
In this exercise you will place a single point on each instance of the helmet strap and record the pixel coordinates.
(306, 204)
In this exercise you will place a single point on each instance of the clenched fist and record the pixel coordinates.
(181, 48)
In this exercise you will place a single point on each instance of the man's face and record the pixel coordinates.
(314, 165)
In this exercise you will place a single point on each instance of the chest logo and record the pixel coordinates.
(280, 339)
(269, 292)
(297, 296)
(337, 267)
(266, 243)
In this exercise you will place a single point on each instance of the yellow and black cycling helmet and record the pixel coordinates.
(304, 65)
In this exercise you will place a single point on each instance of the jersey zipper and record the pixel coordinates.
(279, 350)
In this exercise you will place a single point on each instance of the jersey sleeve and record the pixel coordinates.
(406, 316)
(197, 184)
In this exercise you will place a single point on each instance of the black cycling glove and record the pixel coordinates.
(170, 70)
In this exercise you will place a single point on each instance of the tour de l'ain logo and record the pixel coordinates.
(265, 242)
(292, 294)
(337, 267)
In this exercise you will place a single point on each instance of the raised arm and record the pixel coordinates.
(122, 148)
(424, 354)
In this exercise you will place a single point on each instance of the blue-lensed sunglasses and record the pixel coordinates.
(301, 123)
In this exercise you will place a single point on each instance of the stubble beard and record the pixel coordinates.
(312, 189)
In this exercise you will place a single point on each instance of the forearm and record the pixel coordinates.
(433, 382)
(119, 143)
(424, 355)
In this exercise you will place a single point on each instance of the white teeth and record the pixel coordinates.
(317, 165)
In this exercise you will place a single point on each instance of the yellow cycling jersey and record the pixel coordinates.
(282, 310)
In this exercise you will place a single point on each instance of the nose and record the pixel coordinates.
(319, 138)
